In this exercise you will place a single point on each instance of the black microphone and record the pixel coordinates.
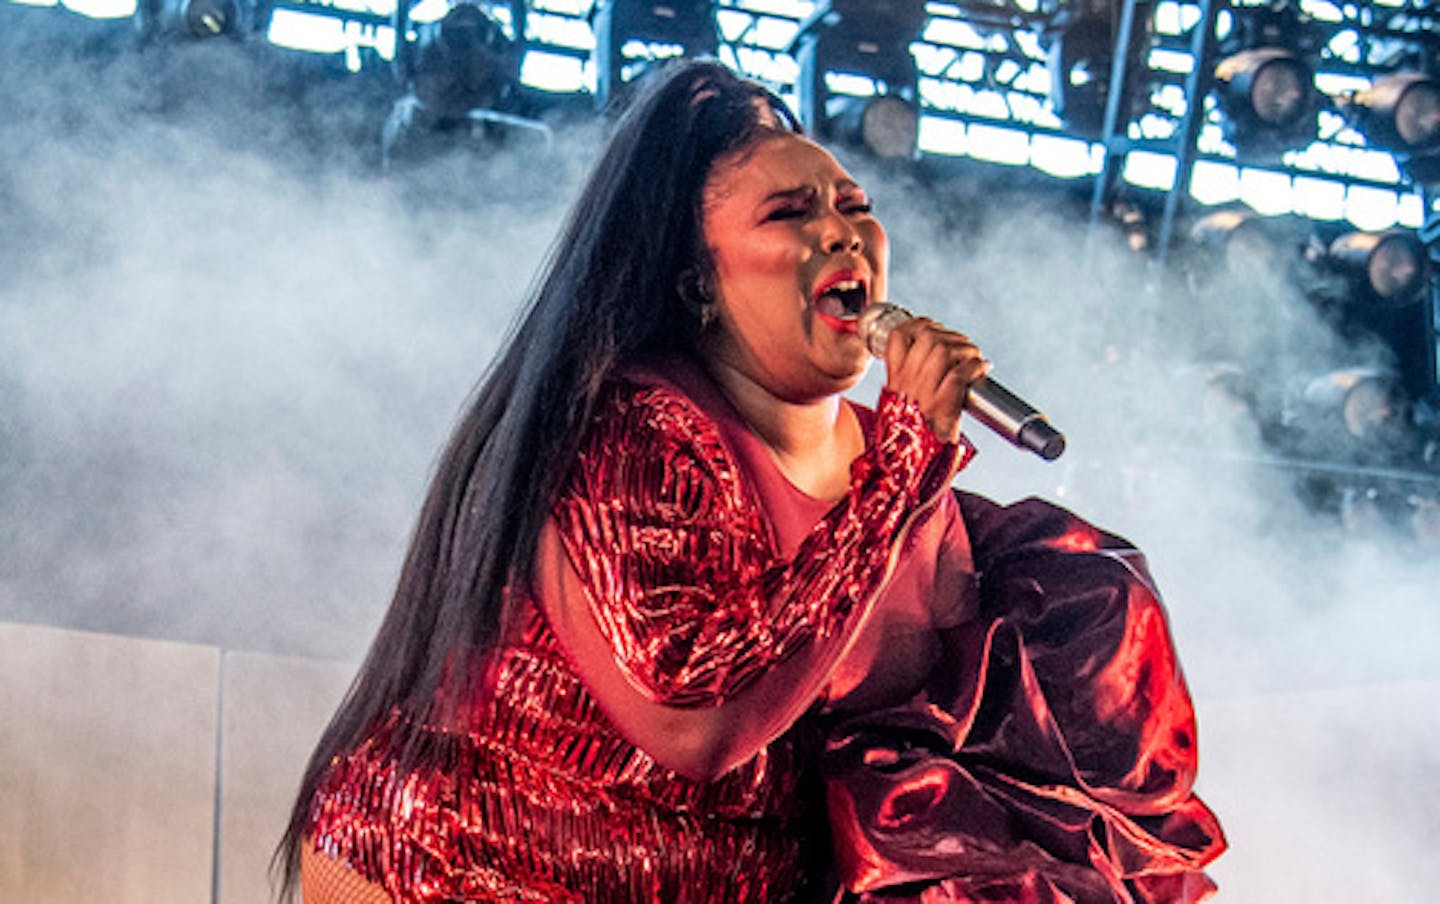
(990, 403)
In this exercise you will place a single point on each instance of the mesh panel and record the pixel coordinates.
(325, 880)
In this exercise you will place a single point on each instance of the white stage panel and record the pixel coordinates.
(107, 768)
(275, 708)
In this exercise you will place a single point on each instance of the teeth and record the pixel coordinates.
(844, 285)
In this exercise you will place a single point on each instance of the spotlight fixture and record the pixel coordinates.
(462, 75)
(1356, 436)
(870, 39)
(673, 27)
(1400, 112)
(467, 61)
(1374, 285)
(1079, 60)
(190, 19)
(886, 125)
(1268, 99)
(1368, 405)
(1388, 268)
(1248, 245)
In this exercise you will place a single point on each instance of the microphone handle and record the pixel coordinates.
(988, 401)
(1012, 417)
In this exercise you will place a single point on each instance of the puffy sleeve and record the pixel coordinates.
(1053, 758)
(679, 565)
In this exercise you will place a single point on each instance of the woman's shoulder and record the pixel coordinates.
(668, 381)
(653, 426)
(646, 387)
(667, 403)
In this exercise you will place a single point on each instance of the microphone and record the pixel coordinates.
(990, 403)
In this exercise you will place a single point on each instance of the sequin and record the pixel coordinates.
(683, 576)
(538, 798)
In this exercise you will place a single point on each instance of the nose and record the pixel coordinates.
(841, 235)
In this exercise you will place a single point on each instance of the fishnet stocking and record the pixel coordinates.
(325, 880)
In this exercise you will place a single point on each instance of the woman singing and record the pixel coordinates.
(663, 556)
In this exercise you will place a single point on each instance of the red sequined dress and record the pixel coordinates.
(703, 567)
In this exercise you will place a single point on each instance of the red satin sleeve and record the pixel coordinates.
(1053, 758)
(679, 565)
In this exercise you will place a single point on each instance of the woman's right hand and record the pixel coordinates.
(934, 367)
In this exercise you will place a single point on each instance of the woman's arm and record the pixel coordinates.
(699, 742)
(660, 577)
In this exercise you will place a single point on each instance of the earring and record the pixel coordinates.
(695, 295)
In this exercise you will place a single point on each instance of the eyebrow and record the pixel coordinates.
(805, 191)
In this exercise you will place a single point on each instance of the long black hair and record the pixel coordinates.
(607, 295)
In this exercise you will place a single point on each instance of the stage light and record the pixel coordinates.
(1079, 61)
(1389, 268)
(463, 81)
(661, 30)
(870, 39)
(466, 61)
(1249, 245)
(1374, 287)
(1400, 112)
(886, 125)
(1268, 99)
(1368, 404)
(193, 19)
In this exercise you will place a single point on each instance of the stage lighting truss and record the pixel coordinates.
(858, 80)
(632, 35)
(1363, 454)
(986, 89)
(1362, 449)
(1241, 100)
(1372, 287)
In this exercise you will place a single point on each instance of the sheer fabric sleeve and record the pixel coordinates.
(679, 565)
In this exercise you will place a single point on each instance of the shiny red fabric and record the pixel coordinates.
(1052, 760)
(536, 796)
(683, 572)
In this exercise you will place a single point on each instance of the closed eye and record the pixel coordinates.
(795, 213)
(786, 213)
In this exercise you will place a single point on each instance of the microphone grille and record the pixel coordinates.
(876, 322)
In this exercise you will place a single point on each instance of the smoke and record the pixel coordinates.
(228, 355)
(230, 349)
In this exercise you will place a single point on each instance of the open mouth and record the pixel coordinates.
(842, 299)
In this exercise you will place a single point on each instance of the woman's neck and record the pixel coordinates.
(813, 441)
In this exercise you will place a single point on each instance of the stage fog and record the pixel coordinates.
(231, 347)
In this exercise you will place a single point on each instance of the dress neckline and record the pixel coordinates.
(692, 379)
(791, 511)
